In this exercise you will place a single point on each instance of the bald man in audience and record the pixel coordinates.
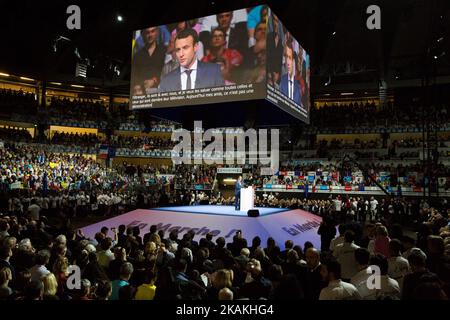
(314, 281)
(225, 294)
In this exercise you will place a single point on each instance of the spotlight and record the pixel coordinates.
(334, 33)
(119, 18)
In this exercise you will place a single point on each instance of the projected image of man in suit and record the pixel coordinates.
(289, 86)
(192, 74)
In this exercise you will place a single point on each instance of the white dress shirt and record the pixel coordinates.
(336, 241)
(193, 75)
(359, 280)
(398, 268)
(38, 272)
(291, 87)
(339, 290)
(345, 255)
(389, 287)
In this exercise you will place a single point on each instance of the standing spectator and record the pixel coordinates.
(5, 255)
(40, 270)
(340, 239)
(336, 289)
(33, 210)
(256, 286)
(105, 255)
(146, 291)
(314, 281)
(104, 290)
(398, 266)
(389, 288)
(409, 245)
(373, 208)
(360, 279)
(126, 270)
(50, 287)
(345, 255)
(5, 278)
(327, 232)
(417, 262)
(381, 243)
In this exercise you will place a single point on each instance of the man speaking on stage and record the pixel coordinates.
(237, 193)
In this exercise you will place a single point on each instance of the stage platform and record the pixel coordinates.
(220, 210)
(221, 221)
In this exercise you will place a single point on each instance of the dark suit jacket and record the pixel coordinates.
(237, 188)
(238, 37)
(285, 89)
(208, 75)
(314, 284)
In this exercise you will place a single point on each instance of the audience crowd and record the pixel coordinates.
(37, 258)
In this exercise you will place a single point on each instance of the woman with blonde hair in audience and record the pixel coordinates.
(5, 278)
(222, 278)
(50, 287)
(61, 272)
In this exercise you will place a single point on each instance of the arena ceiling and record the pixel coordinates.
(334, 32)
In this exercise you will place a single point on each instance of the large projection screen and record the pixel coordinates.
(288, 69)
(226, 57)
(227, 64)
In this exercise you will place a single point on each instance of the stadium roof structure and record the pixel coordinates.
(36, 41)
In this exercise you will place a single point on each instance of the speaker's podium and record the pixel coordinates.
(247, 199)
